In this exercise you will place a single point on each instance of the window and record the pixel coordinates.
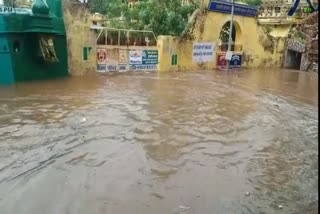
(277, 9)
(47, 49)
(85, 53)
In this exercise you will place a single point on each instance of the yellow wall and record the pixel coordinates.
(167, 46)
(207, 29)
(78, 22)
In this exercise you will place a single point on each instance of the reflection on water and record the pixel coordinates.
(152, 142)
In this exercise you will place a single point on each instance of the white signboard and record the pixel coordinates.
(202, 52)
(4, 9)
(135, 57)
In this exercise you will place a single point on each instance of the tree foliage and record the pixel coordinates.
(163, 17)
(252, 2)
(225, 31)
(7, 2)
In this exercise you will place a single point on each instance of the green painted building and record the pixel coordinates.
(33, 43)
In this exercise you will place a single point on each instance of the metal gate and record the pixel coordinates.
(121, 50)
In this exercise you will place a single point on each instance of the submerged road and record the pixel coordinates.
(200, 143)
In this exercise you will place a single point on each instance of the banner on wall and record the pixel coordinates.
(143, 60)
(149, 57)
(123, 60)
(112, 60)
(101, 59)
(239, 9)
(221, 61)
(235, 62)
(202, 52)
(135, 57)
(123, 56)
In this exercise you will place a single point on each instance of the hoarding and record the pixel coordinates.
(135, 57)
(235, 62)
(112, 60)
(150, 57)
(101, 60)
(202, 52)
(225, 7)
(140, 60)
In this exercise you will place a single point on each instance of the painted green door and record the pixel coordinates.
(6, 70)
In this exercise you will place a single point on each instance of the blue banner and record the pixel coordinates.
(239, 9)
(235, 61)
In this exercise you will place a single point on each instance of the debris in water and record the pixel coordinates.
(280, 206)
(83, 120)
(157, 195)
(78, 158)
(183, 208)
(247, 193)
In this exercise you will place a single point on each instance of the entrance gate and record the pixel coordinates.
(121, 50)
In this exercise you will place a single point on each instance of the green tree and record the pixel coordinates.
(163, 17)
(252, 2)
(8, 2)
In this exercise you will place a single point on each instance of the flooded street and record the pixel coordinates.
(194, 143)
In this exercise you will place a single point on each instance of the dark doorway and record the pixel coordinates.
(16, 46)
(224, 36)
(293, 60)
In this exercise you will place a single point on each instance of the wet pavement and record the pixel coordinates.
(204, 142)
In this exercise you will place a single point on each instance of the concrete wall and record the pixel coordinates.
(207, 28)
(118, 58)
(77, 21)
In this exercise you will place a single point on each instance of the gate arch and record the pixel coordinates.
(236, 35)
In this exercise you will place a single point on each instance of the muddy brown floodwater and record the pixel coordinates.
(147, 143)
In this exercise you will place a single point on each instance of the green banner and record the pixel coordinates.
(150, 57)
